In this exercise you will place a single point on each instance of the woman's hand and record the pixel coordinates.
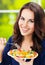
(2, 42)
(22, 62)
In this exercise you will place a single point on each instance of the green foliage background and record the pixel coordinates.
(7, 19)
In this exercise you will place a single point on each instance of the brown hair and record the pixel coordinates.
(39, 26)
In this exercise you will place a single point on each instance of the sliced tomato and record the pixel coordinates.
(11, 52)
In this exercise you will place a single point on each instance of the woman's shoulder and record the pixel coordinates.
(43, 43)
(10, 40)
(42, 55)
(40, 60)
(43, 49)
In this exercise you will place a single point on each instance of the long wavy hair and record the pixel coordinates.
(39, 25)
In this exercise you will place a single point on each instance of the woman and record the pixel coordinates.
(29, 31)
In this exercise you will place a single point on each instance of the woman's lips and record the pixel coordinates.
(24, 30)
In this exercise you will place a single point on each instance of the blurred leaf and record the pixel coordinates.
(43, 4)
(19, 3)
(6, 31)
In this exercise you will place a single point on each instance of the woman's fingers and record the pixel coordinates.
(17, 59)
(30, 62)
(2, 40)
(22, 62)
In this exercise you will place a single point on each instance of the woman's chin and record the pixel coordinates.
(24, 34)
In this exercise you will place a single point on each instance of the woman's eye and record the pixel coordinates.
(22, 18)
(31, 21)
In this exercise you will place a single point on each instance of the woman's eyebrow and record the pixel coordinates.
(28, 19)
(31, 19)
(22, 17)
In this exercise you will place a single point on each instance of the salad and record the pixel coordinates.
(23, 54)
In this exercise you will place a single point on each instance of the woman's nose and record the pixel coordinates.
(25, 23)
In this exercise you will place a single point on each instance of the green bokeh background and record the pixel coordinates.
(7, 19)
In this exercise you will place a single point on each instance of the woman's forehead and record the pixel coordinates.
(27, 13)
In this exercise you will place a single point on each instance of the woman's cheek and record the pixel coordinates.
(20, 23)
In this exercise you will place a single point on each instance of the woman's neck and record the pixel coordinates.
(27, 43)
(28, 39)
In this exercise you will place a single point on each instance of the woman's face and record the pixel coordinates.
(26, 22)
